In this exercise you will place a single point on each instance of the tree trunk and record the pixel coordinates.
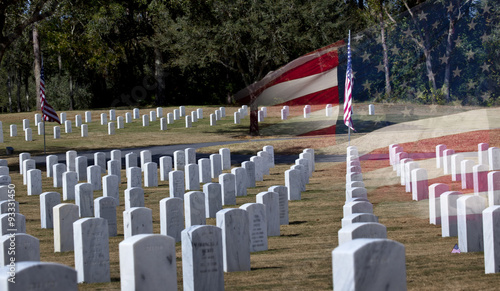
(428, 63)
(9, 91)
(254, 117)
(388, 88)
(161, 98)
(71, 94)
(27, 92)
(37, 67)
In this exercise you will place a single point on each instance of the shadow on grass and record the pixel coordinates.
(264, 268)
(297, 222)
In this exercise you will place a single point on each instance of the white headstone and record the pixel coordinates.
(88, 116)
(192, 177)
(216, 165)
(145, 120)
(67, 126)
(104, 119)
(250, 167)
(369, 264)
(241, 176)
(135, 111)
(179, 160)
(28, 135)
(110, 184)
(145, 158)
(58, 170)
(13, 130)
(234, 223)
(293, 184)
(91, 250)
(19, 248)
(134, 177)
(228, 188)
(205, 171)
(100, 160)
(134, 197)
(165, 167)
(150, 175)
(202, 263)
(283, 202)
(176, 184)
(194, 208)
(271, 201)
(130, 160)
(57, 132)
(47, 202)
(105, 207)
(81, 168)
(172, 217)
(34, 182)
(491, 239)
(12, 223)
(28, 274)
(84, 131)
(64, 216)
(84, 199)
(137, 220)
(470, 222)
(147, 262)
(213, 199)
(361, 230)
(94, 177)
(448, 202)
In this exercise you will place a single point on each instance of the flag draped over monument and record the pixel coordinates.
(49, 114)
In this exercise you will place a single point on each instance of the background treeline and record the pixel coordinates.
(134, 53)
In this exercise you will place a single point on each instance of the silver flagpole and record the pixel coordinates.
(43, 134)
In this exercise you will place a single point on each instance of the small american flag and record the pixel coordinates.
(455, 249)
(49, 114)
(348, 88)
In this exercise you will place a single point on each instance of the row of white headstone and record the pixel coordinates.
(105, 208)
(114, 121)
(365, 259)
(414, 178)
(468, 217)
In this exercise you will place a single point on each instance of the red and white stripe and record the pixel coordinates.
(439, 154)
(48, 113)
(308, 80)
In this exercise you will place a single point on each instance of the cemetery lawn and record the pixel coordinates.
(300, 258)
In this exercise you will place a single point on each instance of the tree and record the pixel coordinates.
(16, 16)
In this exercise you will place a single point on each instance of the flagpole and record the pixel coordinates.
(43, 134)
(349, 137)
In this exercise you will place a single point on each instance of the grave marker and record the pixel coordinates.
(134, 197)
(147, 262)
(165, 167)
(137, 220)
(47, 202)
(271, 201)
(234, 223)
(470, 222)
(202, 259)
(448, 202)
(369, 264)
(105, 207)
(361, 230)
(172, 217)
(84, 199)
(194, 208)
(91, 240)
(176, 184)
(213, 199)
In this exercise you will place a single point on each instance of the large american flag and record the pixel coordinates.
(348, 88)
(49, 114)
